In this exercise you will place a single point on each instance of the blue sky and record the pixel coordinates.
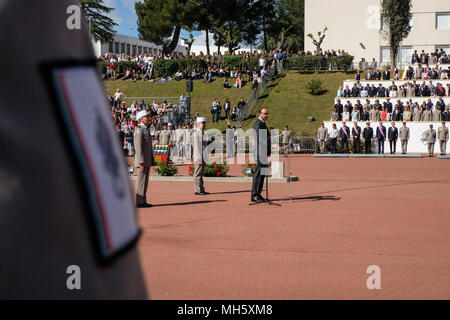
(125, 15)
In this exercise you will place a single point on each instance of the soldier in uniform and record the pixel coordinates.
(431, 140)
(188, 142)
(38, 242)
(172, 142)
(404, 137)
(322, 136)
(143, 157)
(164, 136)
(199, 162)
(179, 136)
(286, 140)
(443, 138)
(368, 135)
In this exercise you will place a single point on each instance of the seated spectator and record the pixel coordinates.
(178, 75)
(135, 76)
(334, 115)
(238, 83)
(207, 77)
(226, 85)
(346, 115)
(340, 93)
(127, 75)
(233, 73)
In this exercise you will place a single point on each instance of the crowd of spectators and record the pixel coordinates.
(406, 90)
(388, 111)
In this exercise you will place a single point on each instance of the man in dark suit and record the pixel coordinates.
(396, 114)
(339, 109)
(381, 136)
(393, 137)
(388, 105)
(377, 75)
(356, 134)
(344, 135)
(355, 91)
(368, 135)
(261, 152)
(386, 74)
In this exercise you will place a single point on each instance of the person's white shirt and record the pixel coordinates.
(333, 133)
(346, 116)
(263, 73)
(262, 62)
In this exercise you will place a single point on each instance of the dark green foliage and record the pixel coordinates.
(396, 17)
(101, 26)
(314, 87)
(304, 63)
(165, 68)
(232, 61)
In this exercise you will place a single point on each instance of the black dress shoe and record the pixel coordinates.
(144, 205)
(200, 193)
(256, 200)
(260, 197)
(204, 192)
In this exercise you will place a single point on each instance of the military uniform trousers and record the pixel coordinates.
(187, 150)
(285, 147)
(199, 171)
(431, 148)
(142, 185)
(404, 146)
(443, 146)
(322, 145)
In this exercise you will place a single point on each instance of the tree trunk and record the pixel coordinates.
(393, 55)
(173, 44)
(207, 41)
(264, 33)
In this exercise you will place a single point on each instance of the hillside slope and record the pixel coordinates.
(286, 98)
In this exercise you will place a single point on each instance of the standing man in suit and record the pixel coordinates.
(356, 134)
(393, 137)
(381, 137)
(368, 135)
(143, 157)
(431, 140)
(262, 151)
(322, 135)
(404, 137)
(200, 144)
(344, 136)
(386, 74)
(443, 138)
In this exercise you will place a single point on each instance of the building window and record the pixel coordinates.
(122, 48)
(128, 50)
(442, 21)
(385, 54)
(116, 45)
(111, 47)
(404, 54)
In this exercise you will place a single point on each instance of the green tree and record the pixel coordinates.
(101, 26)
(189, 41)
(318, 42)
(396, 15)
(291, 14)
(160, 21)
(232, 35)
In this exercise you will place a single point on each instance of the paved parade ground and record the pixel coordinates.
(346, 215)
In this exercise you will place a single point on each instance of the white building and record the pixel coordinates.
(354, 26)
(129, 45)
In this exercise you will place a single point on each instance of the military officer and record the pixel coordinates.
(443, 138)
(188, 142)
(143, 157)
(286, 140)
(322, 136)
(164, 136)
(404, 137)
(199, 162)
(179, 136)
(172, 142)
(431, 140)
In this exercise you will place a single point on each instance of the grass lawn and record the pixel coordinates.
(287, 99)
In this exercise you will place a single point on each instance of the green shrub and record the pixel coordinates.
(191, 63)
(216, 170)
(232, 61)
(314, 87)
(319, 63)
(165, 169)
(165, 68)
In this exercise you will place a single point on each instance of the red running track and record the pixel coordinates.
(347, 214)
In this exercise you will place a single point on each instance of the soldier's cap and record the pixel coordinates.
(141, 114)
(170, 124)
(201, 119)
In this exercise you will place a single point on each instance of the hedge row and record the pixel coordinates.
(319, 62)
(165, 68)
